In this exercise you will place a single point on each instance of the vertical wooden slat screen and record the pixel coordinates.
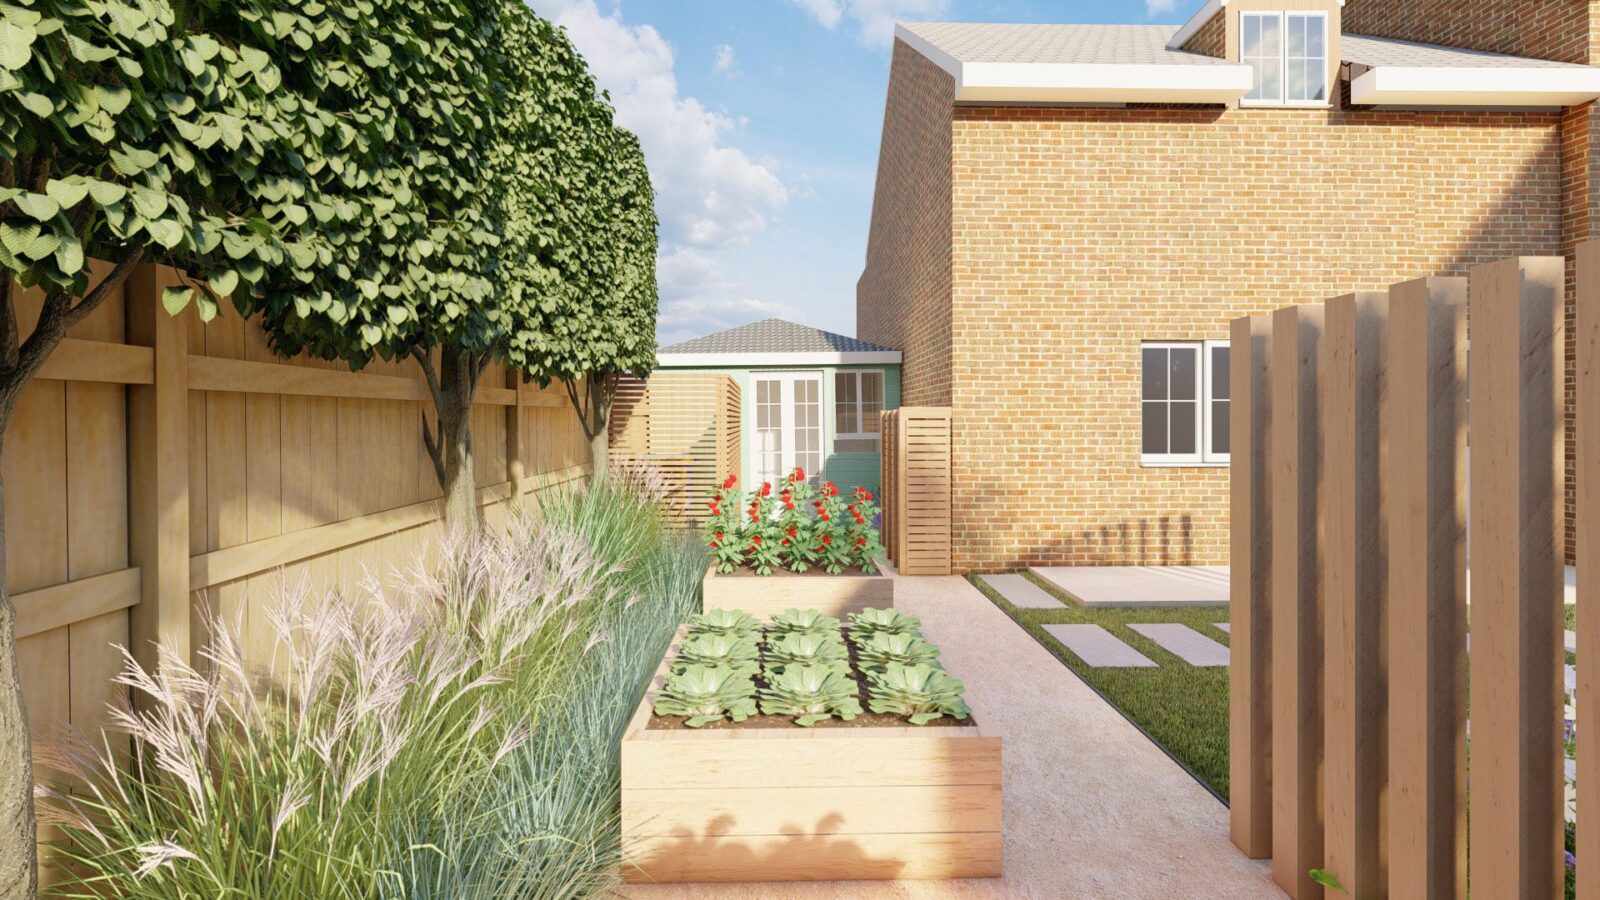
(1515, 777)
(1352, 383)
(1588, 561)
(1250, 611)
(1296, 602)
(889, 465)
(684, 425)
(917, 482)
(159, 470)
(1426, 512)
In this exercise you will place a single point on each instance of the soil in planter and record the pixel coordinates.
(813, 572)
(867, 719)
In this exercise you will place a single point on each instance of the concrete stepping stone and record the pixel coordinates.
(1098, 647)
(1572, 677)
(1022, 592)
(1572, 641)
(1185, 643)
(1224, 627)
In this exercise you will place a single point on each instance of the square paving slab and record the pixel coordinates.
(1098, 647)
(1022, 592)
(1185, 643)
(1571, 640)
(1225, 627)
(1141, 585)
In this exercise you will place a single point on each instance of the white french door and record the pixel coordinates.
(789, 425)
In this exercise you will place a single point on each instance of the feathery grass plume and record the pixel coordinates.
(449, 731)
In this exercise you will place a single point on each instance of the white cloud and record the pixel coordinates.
(1160, 7)
(874, 19)
(708, 193)
(685, 273)
(725, 63)
(680, 320)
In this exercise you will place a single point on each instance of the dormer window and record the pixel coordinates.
(1288, 51)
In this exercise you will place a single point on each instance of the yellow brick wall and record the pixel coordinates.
(1080, 233)
(903, 297)
(1212, 38)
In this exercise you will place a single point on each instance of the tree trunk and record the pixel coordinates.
(453, 387)
(19, 868)
(592, 403)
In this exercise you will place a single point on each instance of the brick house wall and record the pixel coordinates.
(1562, 30)
(1080, 233)
(1211, 39)
(903, 296)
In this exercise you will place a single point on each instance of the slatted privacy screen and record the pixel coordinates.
(159, 470)
(916, 486)
(684, 425)
(1350, 518)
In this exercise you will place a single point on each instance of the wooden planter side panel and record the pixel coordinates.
(836, 596)
(684, 425)
(917, 489)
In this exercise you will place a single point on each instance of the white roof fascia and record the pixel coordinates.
(1196, 22)
(1497, 86)
(1085, 82)
(747, 360)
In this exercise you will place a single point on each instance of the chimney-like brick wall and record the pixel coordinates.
(1562, 30)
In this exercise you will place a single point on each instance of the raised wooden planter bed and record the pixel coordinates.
(766, 595)
(807, 804)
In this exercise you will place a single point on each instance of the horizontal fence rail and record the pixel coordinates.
(1350, 515)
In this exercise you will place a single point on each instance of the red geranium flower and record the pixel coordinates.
(798, 474)
(826, 539)
(861, 542)
(868, 496)
(823, 514)
(785, 542)
(791, 531)
(755, 541)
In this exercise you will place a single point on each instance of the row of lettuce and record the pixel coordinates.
(803, 666)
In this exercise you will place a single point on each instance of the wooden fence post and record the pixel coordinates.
(1588, 562)
(1515, 775)
(518, 452)
(1352, 381)
(158, 473)
(1296, 601)
(1427, 628)
(1250, 611)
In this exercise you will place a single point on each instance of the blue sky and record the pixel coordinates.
(760, 122)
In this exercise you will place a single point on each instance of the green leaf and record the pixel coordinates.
(83, 51)
(16, 43)
(165, 232)
(112, 98)
(105, 193)
(18, 238)
(398, 314)
(38, 206)
(42, 246)
(36, 103)
(1326, 879)
(371, 335)
(174, 299)
(224, 282)
(69, 256)
(68, 192)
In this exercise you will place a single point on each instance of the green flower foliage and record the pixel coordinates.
(883, 648)
(874, 621)
(707, 694)
(801, 649)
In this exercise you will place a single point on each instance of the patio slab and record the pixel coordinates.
(1571, 641)
(1185, 643)
(1098, 647)
(1224, 627)
(1093, 809)
(1140, 585)
(1022, 592)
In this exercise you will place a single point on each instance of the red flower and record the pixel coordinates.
(719, 535)
(798, 474)
(867, 496)
(861, 542)
(829, 489)
(755, 541)
(714, 509)
(827, 540)
(823, 514)
(791, 532)
(732, 480)
(766, 488)
(788, 504)
(786, 542)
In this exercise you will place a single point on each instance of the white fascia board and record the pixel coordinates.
(1499, 86)
(1196, 22)
(1103, 83)
(748, 360)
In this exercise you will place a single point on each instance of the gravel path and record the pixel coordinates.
(1093, 809)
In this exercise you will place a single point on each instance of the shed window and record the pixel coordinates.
(1184, 403)
(1288, 51)
(857, 401)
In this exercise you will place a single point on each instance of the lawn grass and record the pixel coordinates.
(1184, 709)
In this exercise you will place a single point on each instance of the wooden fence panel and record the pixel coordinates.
(1588, 560)
(1516, 580)
(1297, 819)
(1250, 612)
(1427, 634)
(889, 481)
(687, 426)
(1353, 385)
(918, 489)
(159, 467)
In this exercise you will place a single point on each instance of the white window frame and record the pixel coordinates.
(1203, 457)
(788, 455)
(1283, 17)
(882, 405)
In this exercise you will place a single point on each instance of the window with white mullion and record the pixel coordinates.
(857, 400)
(1261, 48)
(1288, 54)
(1306, 57)
(1184, 403)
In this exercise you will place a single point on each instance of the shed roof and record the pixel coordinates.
(774, 342)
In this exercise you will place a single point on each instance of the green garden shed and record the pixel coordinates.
(809, 398)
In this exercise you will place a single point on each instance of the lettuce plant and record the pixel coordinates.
(734, 651)
(811, 694)
(923, 693)
(803, 621)
(793, 650)
(868, 622)
(707, 694)
(883, 648)
(725, 622)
